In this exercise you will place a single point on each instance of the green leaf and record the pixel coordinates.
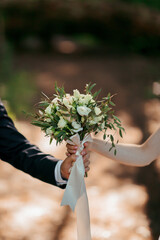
(111, 103)
(96, 94)
(104, 136)
(112, 138)
(120, 133)
(91, 87)
(110, 149)
(115, 152)
(44, 104)
(51, 139)
(117, 118)
(40, 124)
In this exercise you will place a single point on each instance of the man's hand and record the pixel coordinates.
(66, 166)
(72, 149)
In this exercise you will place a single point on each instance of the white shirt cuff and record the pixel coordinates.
(58, 177)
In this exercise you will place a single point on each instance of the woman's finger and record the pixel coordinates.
(87, 169)
(86, 157)
(86, 144)
(86, 164)
(68, 154)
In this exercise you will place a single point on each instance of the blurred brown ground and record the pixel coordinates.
(124, 201)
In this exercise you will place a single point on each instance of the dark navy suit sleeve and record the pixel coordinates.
(20, 153)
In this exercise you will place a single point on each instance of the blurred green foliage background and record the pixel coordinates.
(91, 27)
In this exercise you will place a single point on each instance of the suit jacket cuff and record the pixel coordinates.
(58, 177)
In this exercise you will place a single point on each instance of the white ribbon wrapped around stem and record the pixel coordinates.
(75, 194)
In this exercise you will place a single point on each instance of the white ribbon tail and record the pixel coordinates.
(75, 194)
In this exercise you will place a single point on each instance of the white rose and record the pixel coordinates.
(76, 93)
(97, 110)
(49, 131)
(55, 100)
(83, 110)
(98, 119)
(82, 101)
(92, 122)
(76, 125)
(62, 123)
(48, 110)
(70, 98)
(88, 98)
(66, 102)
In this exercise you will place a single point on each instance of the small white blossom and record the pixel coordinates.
(92, 122)
(66, 102)
(88, 98)
(40, 112)
(76, 93)
(48, 110)
(76, 125)
(62, 123)
(97, 110)
(48, 120)
(95, 120)
(98, 119)
(55, 100)
(70, 98)
(83, 110)
(49, 131)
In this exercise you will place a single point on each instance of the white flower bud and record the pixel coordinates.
(83, 110)
(48, 120)
(97, 110)
(66, 102)
(62, 123)
(49, 131)
(48, 110)
(76, 125)
(76, 93)
(40, 112)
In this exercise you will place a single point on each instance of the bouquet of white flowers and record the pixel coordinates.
(65, 115)
(73, 118)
